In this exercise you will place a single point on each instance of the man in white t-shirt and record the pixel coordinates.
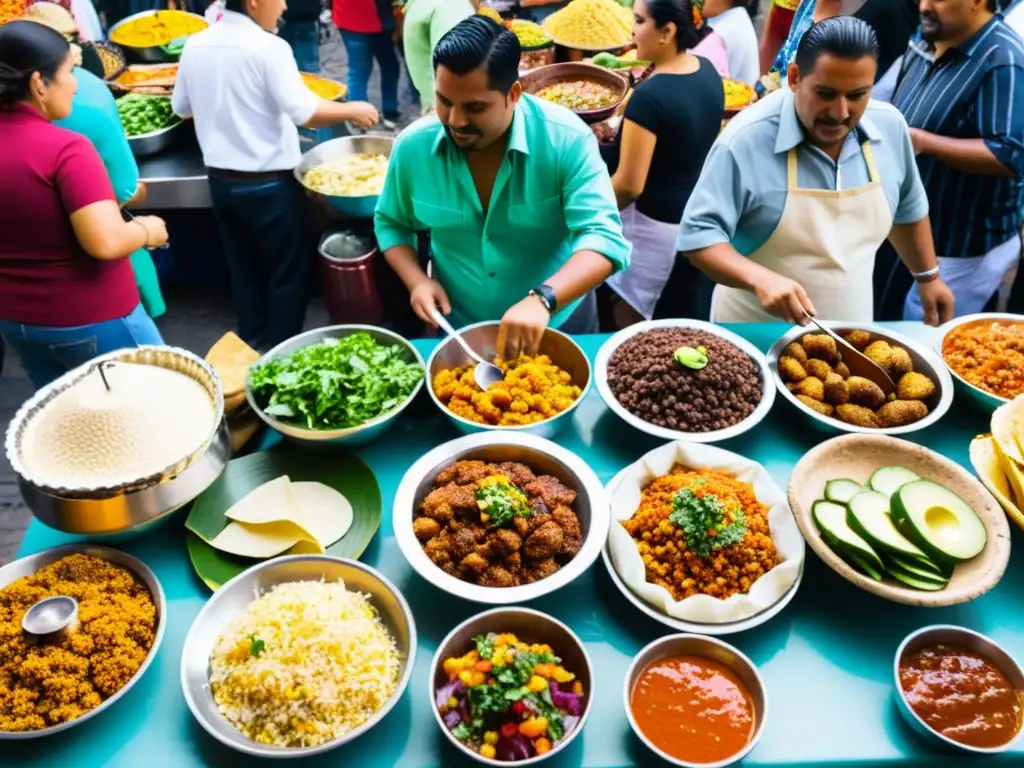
(733, 21)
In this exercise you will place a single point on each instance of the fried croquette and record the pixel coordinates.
(915, 386)
(901, 412)
(837, 392)
(898, 363)
(865, 392)
(878, 350)
(823, 408)
(791, 369)
(857, 415)
(812, 388)
(858, 339)
(842, 369)
(793, 349)
(819, 369)
(819, 345)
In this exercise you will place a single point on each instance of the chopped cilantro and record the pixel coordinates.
(256, 645)
(705, 523)
(484, 646)
(461, 732)
(501, 501)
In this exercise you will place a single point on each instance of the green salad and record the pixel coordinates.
(336, 383)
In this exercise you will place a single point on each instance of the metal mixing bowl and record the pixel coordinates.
(28, 565)
(483, 338)
(541, 455)
(986, 401)
(604, 356)
(138, 504)
(939, 634)
(708, 647)
(232, 599)
(335, 205)
(152, 54)
(530, 627)
(352, 436)
(155, 142)
(924, 362)
(536, 80)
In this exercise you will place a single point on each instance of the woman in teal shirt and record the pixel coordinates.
(94, 115)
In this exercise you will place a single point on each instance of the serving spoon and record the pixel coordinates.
(485, 374)
(858, 363)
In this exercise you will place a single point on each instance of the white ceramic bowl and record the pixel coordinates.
(751, 421)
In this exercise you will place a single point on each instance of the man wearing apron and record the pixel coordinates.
(801, 189)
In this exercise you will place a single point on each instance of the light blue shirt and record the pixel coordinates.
(741, 192)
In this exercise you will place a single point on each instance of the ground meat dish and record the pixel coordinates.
(464, 541)
(650, 384)
(44, 684)
(989, 355)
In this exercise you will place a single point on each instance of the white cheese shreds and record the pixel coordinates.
(306, 663)
(88, 436)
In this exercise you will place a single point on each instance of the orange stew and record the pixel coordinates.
(693, 708)
(961, 695)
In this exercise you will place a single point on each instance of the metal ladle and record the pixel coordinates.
(51, 617)
(858, 363)
(485, 374)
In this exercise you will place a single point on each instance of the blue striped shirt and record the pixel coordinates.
(973, 92)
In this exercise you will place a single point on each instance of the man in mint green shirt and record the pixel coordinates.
(520, 209)
(424, 23)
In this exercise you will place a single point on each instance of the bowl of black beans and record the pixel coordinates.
(684, 379)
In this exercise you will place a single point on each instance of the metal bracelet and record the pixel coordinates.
(926, 274)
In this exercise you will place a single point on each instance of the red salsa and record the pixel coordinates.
(961, 695)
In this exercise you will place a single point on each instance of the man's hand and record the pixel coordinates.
(783, 298)
(937, 301)
(920, 140)
(363, 114)
(426, 297)
(522, 328)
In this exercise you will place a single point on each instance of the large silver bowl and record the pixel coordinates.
(708, 647)
(352, 436)
(232, 599)
(483, 338)
(138, 504)
(336, 205)
(607, 349)
(530, 627)
(153, 54)
(947, 634)
(542, 456)
(155, 142)
(28, 565)
(986, 401)
(924, 362)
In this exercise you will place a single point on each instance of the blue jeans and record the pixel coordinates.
(303, 38)
(48, 353)
(362, 48)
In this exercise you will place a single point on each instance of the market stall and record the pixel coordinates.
(824, 650)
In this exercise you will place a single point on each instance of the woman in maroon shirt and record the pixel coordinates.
(67, 291)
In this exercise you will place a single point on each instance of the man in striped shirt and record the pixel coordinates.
(962, 93)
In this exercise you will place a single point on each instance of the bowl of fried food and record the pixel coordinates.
(810, 373)
(537, 395)
(500, 518)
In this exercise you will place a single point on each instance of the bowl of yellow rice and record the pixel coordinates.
(298, 655)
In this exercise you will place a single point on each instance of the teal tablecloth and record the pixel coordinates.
(826, 659)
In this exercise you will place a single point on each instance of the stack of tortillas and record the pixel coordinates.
(998, 458)
(231, 358)
(282, 516)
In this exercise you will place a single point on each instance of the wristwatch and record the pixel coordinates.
(546, 295)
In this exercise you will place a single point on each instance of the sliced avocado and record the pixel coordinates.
(926, 565)
(914, 571)
(842, 490)
(868, 515)
(940, 522)
(888, 480)
(841, 539)
(867, 567)
(911, 581)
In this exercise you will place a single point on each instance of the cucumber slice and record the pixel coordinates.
(893, 567)
(908, 564)
(910, 581)
(842, 490)
(940, 522)
(867, 567)
(888, 480)
(868, 515)
(841, 539)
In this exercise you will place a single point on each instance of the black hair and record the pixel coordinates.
(844, 37)
(478, 42)
(680, 13)
(238, 6)
(27, 47)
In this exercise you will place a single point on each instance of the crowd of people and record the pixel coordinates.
(880, 174)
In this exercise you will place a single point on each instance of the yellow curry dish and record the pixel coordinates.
(158, 28)
(534, 389)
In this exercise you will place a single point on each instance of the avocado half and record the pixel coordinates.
(940, 522)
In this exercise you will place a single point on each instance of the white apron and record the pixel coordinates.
(654, 253)
(826, 241)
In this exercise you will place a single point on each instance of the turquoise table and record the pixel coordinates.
(827, 659)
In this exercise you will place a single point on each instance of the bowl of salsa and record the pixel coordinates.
(961, 688)
(695, 701)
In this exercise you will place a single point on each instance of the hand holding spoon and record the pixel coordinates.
(485, 374)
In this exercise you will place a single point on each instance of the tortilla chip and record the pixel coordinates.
(231, 358)
(988, 462)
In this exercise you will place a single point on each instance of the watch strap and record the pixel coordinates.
(547, 297)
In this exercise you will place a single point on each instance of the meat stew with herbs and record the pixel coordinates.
(498, 524)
